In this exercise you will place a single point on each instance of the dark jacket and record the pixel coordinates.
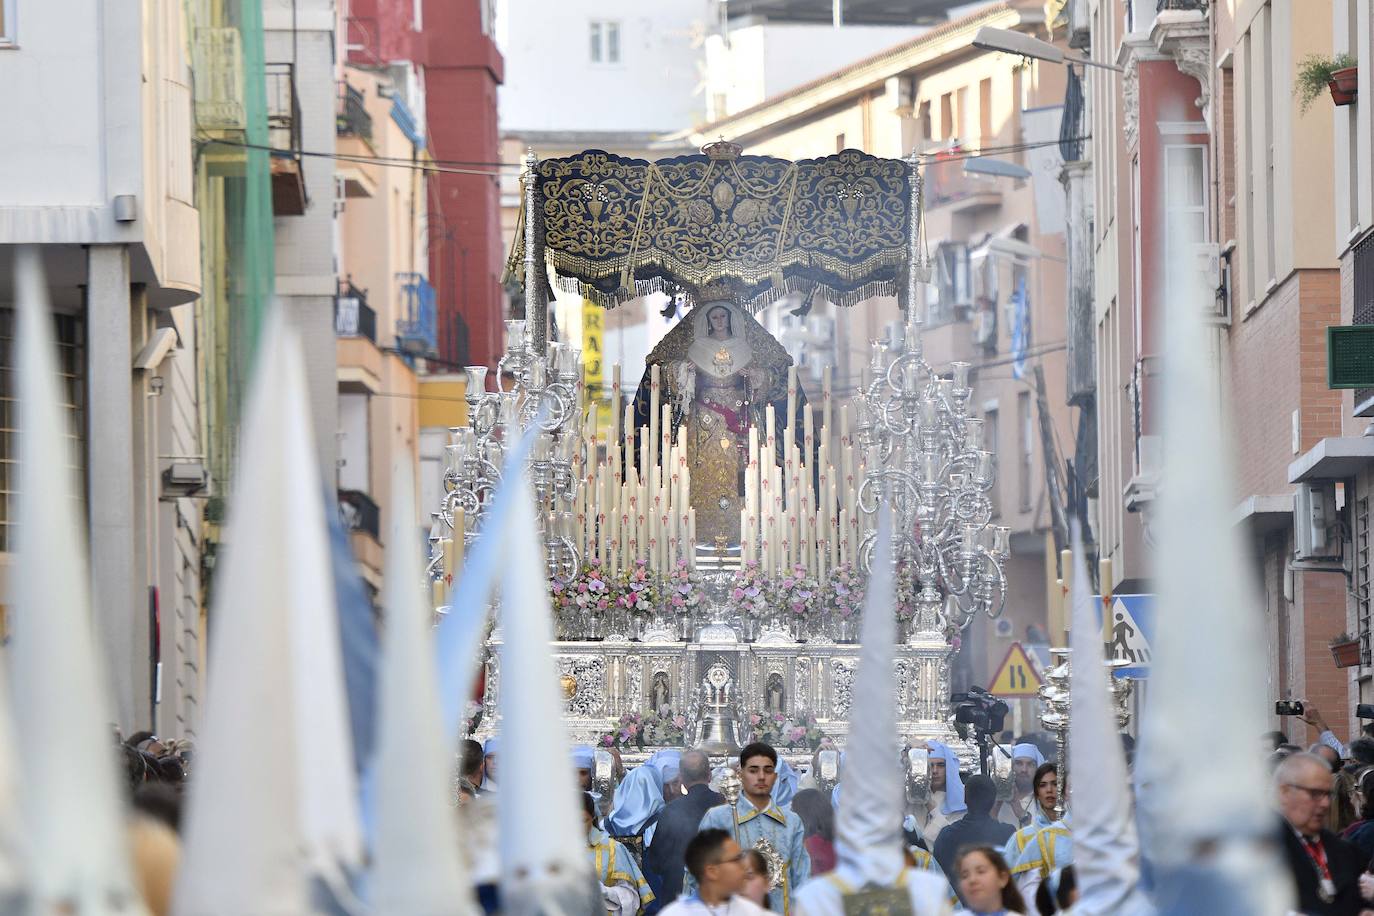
(970, 830)
(1345, 863)
(677, 824)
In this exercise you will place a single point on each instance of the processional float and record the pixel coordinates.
(670, 637)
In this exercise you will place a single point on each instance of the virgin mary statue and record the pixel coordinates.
(720, 369)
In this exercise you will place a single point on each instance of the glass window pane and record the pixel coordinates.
(612, 42)
(595, 35)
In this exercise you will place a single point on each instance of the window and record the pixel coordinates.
(1025, 434)
(1185, 202)
(605, 42)
(7, 24)
(924, 130)
(71, 362)
(839, 143)
(985, 110)
(990, 443)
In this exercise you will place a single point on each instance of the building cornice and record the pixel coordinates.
(926, 51)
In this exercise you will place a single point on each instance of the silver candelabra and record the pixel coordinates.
(925, 454)
(531, 390)
(1056, 695)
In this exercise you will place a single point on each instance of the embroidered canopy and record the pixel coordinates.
(616, 228)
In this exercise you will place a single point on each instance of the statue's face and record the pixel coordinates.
(719, 321)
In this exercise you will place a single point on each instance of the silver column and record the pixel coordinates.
(536, 309)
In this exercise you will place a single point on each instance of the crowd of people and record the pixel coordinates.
(663, 839)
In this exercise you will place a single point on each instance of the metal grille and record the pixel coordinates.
(1363, 312)
(1362, 577)
(70, 334)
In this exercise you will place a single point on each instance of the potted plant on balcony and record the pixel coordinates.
(1345, 649)
(1317, 72)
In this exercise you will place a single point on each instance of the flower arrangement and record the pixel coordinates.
(590, 589)
(779, 731)
(663, 728)
(908, 587)
(637, 590)
(796, 593)
(682, 589)
(844, 592)
(750, 591)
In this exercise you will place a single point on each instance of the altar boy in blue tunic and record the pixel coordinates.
(761, 818)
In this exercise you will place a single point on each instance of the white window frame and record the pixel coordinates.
(599, 32)
(1172, 254)
(9, 21)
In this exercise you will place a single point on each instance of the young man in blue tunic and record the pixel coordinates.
(760, 819)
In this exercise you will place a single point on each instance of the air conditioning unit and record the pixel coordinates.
(1316, 528)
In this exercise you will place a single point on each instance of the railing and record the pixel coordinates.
(1363, 311)
(218, 60)
(359, 513)
(418, 332)
(283, 108)
(1200, 5)
(947, 182)
(352, 119)
(353, 317)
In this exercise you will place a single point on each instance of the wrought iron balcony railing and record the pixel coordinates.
(1200, 5)
(353, 317)
(352, 119)
(418, 332)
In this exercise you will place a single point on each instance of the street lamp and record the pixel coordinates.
(1023, 45)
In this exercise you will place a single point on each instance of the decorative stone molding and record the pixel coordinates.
(1130, 105)
(1185, 35)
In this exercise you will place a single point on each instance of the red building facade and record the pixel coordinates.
(452, 48)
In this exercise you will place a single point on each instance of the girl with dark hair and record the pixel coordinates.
(985, 883)
(818, 821)
(1058, 892)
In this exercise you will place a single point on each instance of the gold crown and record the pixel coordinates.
(717, 291)
(722, 149)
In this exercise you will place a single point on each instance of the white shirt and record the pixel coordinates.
(692, 905)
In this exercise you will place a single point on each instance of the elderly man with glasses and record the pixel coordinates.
(1326, 869)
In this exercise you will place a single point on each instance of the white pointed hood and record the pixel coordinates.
(246, 838)
(1106, 846)
(71, 798)
(544, 864)
(869, 828)
(418, 866)
(1208, 832)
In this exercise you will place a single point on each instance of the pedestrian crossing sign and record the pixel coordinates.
(1132, 628)
(1017, 675)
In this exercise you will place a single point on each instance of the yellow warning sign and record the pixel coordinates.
(1016, 676)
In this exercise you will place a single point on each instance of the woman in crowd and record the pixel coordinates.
(818, 819)
(985, 883)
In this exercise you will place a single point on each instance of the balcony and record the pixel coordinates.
(353, 317)
(360, 514)
(418, 333)
(284, 136)
(1199, 5)
(352, 119)
(948, 185)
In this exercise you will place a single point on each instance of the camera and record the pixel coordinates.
(980, 709)
(1288, 708)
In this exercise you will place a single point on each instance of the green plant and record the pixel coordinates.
(1314, 72)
